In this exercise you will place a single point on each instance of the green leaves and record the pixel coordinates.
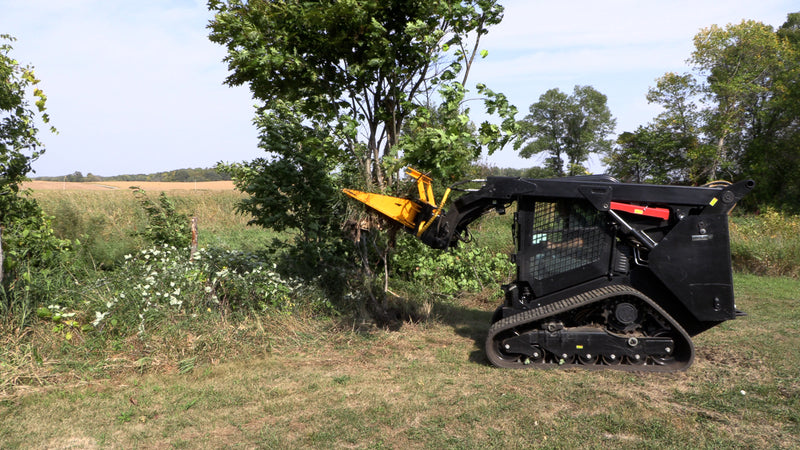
(735, 116)
(349, 92)
(463, 269)
(165, 226)
(569, 125)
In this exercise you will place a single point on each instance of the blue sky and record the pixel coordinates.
(136, 87)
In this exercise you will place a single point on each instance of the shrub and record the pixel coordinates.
(466, 268)
(165, 226)
(160, 282)
(31, 253)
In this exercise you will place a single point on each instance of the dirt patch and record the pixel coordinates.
(37, 185)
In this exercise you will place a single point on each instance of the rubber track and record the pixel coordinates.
(577, 301)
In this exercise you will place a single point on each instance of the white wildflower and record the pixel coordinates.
(98, 317)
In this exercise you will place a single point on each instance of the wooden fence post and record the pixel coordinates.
(194, 239)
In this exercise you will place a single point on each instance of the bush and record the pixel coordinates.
(466, 268)
(32, 253)
(160, 282)
(165, 225)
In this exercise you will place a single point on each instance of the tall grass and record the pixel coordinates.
(766, 244)
(106, 222)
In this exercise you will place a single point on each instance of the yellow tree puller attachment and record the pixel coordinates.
(416, 215)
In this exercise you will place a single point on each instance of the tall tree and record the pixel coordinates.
(670, 149)
(773, 154)
(735, 116)
(739, 62)
(571, 126)
(358, 68)
(348, 90)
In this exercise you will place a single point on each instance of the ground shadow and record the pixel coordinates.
(468, 322)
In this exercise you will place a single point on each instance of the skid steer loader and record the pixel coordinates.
(609, 275)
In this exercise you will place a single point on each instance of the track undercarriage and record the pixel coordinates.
(615, 327)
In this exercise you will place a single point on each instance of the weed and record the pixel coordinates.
(164, 225)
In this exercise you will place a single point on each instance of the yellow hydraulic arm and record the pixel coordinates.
(403, 210)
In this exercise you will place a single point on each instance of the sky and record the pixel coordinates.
(137, 87)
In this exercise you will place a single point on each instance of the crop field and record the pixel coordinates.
(295, 377)
(146, 185)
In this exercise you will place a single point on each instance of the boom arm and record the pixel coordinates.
(441, 229)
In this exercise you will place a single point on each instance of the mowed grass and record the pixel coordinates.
(297, 382)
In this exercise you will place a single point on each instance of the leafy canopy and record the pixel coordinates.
(361, 70)
(735, 116)
(570, 126)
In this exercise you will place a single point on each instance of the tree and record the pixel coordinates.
(358, 68)
(570, 126)
(27, 238)
(736, 116)
(350, 91)
(19, 144)
(740, 63)
(670, 149)
(773, 155)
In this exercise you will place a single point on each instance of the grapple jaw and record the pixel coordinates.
(416, 215)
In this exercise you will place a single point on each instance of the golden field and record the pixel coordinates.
(37, 185)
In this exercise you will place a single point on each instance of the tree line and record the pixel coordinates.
(734, 115)
(179, 175)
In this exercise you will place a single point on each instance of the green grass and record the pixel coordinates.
(294, 382)
(766, 244)
(256, 379)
